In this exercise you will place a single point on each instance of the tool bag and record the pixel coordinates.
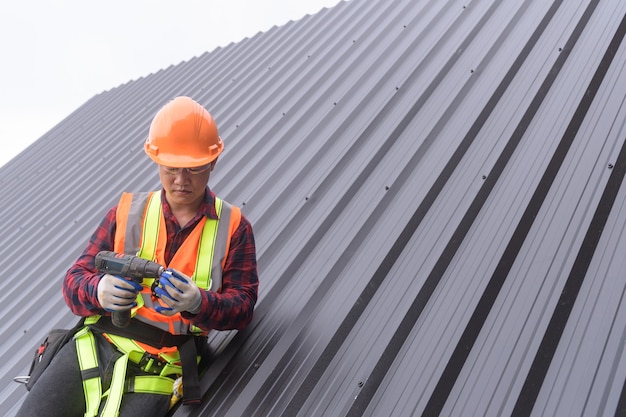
(47, 350)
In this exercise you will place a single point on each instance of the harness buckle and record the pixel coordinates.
(151, 364)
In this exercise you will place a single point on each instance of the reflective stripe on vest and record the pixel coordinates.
(150, 226)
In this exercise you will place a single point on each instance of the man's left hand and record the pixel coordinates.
(179, 292)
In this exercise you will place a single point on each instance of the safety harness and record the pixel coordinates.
(177, 352)
(163, 368)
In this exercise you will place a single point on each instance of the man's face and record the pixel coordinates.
(185, 186)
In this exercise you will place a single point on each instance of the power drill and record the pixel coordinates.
(127, 266)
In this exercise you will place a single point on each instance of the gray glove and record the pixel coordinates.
(179, 292)
(116, 293)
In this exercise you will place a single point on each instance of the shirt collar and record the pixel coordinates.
(207, 208)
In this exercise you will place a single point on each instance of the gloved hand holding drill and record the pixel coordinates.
(116, 293)
(179, 292)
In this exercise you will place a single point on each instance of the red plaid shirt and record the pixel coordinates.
(232, 308)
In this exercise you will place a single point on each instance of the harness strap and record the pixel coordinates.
(88, 363)
(139, 331)
(191, 382)
(162, 365)
(145, 384)
(150, 385)
(114, 400)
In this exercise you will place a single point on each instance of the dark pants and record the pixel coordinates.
(59, 390)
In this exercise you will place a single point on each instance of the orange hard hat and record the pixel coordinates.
(183, 135)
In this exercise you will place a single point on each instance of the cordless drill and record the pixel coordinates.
(127, 266)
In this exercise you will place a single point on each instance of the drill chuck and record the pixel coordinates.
(127, 266)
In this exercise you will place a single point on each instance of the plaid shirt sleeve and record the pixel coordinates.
(80, 287)
(232, 308)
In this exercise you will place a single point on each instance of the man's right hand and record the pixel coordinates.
(116, 293)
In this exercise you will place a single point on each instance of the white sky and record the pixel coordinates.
(56, 55)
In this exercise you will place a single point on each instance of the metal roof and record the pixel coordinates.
(436, 192)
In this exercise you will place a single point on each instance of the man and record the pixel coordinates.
(210, 282)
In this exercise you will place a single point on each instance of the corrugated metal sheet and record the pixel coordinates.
(436, 191)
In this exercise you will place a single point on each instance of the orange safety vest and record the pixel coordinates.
(141, 231)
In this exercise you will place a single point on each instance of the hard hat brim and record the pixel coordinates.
(181, 160)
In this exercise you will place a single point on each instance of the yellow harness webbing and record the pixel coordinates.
(116, 391)
(88, 363)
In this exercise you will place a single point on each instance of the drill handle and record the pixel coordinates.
(120, 319)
